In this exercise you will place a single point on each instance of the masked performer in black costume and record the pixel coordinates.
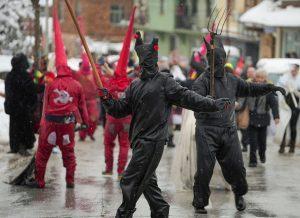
(216, 132)
(149, 99)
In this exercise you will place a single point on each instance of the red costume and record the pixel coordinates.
(119, 127)
(63, 99)
(86, 79)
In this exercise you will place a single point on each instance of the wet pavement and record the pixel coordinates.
(274, 189)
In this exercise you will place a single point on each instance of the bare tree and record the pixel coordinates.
(37, 32)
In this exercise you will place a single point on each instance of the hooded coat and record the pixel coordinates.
(216, 133)
(20, 103)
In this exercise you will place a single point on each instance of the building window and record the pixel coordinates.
(194, 7)
(208, 7)
(162, 7)
(116, 14)
(173, 42)
(291, 43)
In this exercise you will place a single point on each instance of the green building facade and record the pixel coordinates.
(177, 23)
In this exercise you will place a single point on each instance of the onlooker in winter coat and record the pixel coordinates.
(20, 103)
(259, 108)
(291, 82)
(250, 75)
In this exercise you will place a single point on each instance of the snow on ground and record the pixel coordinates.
(4, 119)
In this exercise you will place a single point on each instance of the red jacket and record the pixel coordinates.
(65, 96)
(88, 84)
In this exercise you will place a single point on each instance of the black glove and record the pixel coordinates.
(84, 126)
(222, 103)
(279, 89)
(104, 94)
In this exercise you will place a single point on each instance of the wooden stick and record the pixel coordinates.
(212, 67)
(86, 48)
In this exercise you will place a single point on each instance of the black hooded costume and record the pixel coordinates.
(20, 103)
(149, 99)
(216, 132)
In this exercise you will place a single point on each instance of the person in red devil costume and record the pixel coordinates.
(86, 79)
(63, 99)
(119, 126)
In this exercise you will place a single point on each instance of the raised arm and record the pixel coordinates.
(273, 102)
(245, 89)
(183, 97)
(116, 108)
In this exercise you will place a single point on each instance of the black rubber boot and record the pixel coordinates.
(262, 158)
(170, 142)
(70, 185)
(201, 210)
(24, 152)
(240, 203)
(281, 150)
(32, 183)
(292, 147)
(252, 164)
(125, 214)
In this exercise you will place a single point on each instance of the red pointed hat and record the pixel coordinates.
(124, 55)
(85, 65)
(60, 54)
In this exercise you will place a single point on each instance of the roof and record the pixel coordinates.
(269, 13)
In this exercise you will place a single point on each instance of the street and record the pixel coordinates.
(273, 189)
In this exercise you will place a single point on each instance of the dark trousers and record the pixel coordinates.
(140, 178)
(245, 138)
(221, 144)
(293, 128)
(258, 140)
(21, 132)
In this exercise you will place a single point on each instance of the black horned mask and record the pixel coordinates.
(147, 53)
(219, 55)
